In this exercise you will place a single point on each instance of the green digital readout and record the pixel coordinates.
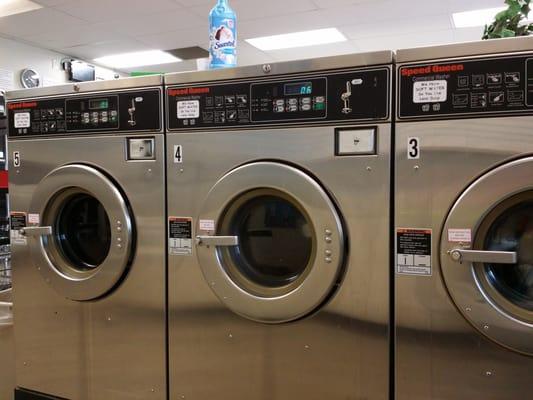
(98, 104)
(294, 89)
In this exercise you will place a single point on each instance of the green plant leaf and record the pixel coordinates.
(508, 33)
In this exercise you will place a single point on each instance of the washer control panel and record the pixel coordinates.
(138, 110)
(358, 95)
(481, 86)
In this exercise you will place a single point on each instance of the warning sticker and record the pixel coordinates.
(430, 91)
(180, 236)
(18, 221)
(207, 225)
(460, 235)
(413, 251)
(34, 219)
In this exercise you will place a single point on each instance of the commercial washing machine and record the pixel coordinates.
(87, 188)
(7, 345)
(464, 222)
(278, 224)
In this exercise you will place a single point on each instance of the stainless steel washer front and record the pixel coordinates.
(87, 191)
(85, 242)
(464, 145)
(279, 281)
(279, 232)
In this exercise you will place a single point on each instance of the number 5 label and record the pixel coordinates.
(413, 148)
(16, 158)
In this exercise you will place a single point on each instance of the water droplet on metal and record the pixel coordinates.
(307, 347)
(369, 169)
(468, 309)
(486, 327)
(488, 373)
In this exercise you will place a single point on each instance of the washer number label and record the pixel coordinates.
(178, 154)
(16, 158)
(413, 148)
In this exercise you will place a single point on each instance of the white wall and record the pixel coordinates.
(15, 56)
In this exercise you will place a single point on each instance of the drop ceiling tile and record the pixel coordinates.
(50, 3)
(253, 10)
(337, 3)
(177, 39)
(382, 10)
(461, 5)
(398, 26)
(192, 3)
(105, 48)
(105, 10)
(81, 35)
(283, 24)
(165, 68)
(315, 51)
(145, 25)
(36, 22)
(395, 42)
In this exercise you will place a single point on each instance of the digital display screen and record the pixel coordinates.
(98, 104)
(292, 89)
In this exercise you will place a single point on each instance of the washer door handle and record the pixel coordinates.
(224, 241)
(36, 231)
(481, 256)
(7, 314)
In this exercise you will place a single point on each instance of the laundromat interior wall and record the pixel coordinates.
(15, 56)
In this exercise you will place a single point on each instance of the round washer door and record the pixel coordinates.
(85, 242)
(277, 248)
(490, 276)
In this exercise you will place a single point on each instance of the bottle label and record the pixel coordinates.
(222, 38)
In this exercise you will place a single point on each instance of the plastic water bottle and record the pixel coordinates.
(222, 36)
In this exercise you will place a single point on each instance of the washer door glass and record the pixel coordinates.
(86, 239)
(83, 231)
(277, 250)
(512, 231)
(276, 242)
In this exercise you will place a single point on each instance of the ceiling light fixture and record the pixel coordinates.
(470, 19)
(298, 39)
(12, 7)
(137, 59)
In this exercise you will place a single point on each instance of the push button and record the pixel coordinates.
(353, 142)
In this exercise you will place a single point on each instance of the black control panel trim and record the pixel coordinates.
(381, 99)
(467, 97)
(151, 122)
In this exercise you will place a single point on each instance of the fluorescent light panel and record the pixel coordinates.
(12, 7)
(298, 39)
(469, 19)
(137, 59)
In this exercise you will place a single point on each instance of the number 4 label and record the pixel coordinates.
(413, 148)
(16, 158)
(178, 154)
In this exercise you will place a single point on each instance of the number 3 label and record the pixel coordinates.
(16, 158)
(413, 148)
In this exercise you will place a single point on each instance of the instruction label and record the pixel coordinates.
(413, 251)
(188, 109)
(18, 221)
(22, 120)
(180, 236)
(430, 91)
